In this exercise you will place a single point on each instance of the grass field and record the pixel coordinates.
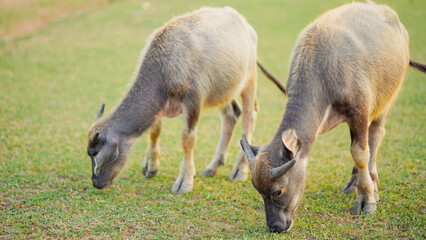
(53, 80)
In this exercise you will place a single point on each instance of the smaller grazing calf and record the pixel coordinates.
(348, 66)
(205, 58)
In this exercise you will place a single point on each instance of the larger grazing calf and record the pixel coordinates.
(348, 66)
(205, 58)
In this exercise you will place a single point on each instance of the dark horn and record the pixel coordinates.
(247, 148)
(255, 149)
(281, 170)
(101, 111)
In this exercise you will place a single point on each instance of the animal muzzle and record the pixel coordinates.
(99, 183)
(278, 227)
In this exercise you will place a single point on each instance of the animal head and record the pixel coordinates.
(279, 176)
(107, 151)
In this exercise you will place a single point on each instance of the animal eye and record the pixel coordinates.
(277, 193)
(94, 143)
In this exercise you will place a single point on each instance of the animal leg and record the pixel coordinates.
(151, 160)
(185, 180)
(229, 117)
(352, 185)
(250, 109)
(360, 153)
(376, 132)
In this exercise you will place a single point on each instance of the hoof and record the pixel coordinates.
(149, 174)
(237, 176)
(349, 190)
(182, 186)
(357, 208)
(367, 208)
(208, 173)
(181, 189)
(351, 186)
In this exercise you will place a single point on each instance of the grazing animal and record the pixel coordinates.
(347, 66)
(204, 58)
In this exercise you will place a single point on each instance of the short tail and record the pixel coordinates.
(416, 65)
(273, 79)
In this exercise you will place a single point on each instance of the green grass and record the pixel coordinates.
(52, 83)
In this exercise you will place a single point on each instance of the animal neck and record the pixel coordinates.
(145, 99)
(304, 113)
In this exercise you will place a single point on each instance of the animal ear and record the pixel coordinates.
(290, 140)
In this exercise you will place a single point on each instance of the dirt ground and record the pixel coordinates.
(23, 17)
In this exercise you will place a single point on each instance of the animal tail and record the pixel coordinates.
(273, 79)
(416, 65)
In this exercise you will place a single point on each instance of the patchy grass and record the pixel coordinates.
(53, 81)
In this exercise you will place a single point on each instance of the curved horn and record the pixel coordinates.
(101, 111)
(255, 149)
(281, 170)
(247, 148)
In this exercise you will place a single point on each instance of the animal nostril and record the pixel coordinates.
(276, 227)
(98, 185)
(95, 182)
(288, 225)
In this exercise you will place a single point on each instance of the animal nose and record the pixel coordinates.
(278, 227)
(97, 183)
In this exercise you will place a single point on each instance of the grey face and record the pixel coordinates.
(106, 153)
(280, 180)
(281, 200)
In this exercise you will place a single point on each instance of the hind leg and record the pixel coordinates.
(352, 185)
(250, 109)
(151, 160)
(229, 117)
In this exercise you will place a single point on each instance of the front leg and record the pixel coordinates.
(360, 153)
(151, 160)
(376, 132)
(185, 180)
